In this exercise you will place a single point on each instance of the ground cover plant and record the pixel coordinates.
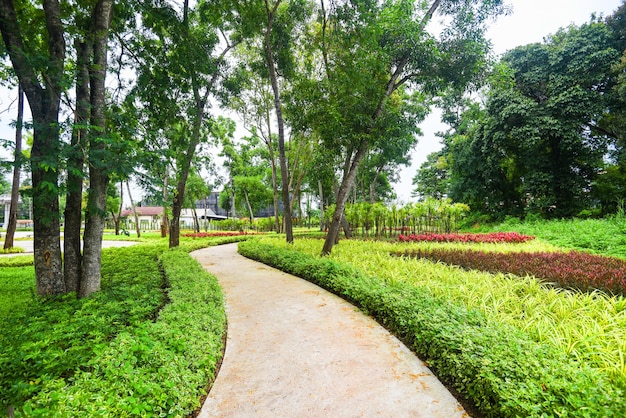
(491, 237)
(16, 289)
(512, 346)
(147, 344)
(573, 270)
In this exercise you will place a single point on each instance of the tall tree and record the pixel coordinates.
(43, 83)
(380, 63)
(38, 57)
(17, 163)
(539, 145)
(182, 61)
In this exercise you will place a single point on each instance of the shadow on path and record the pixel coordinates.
(296, 350)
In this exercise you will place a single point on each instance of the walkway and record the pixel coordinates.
(295, 350)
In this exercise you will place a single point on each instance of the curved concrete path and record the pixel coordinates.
(296, 350)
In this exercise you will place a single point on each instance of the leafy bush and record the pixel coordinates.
(17, 261)
(574, 270)
(214, 234)
(159, 368)
(493, 237)
(53, 338)
(146, 344)
(12, 250)
(16, 290)
(496, 366)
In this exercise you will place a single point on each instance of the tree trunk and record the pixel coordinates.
(373, 185)
(75, 163)
(164, 220)
(342, 197)
(284, 173)
(15, 186)
(132, 205)
(245, 193)
(270, 148)
(322, 222)
(47, 242)
(118, 218)
(44, 102)
(196, 222)
(98, 175)
(179, 196)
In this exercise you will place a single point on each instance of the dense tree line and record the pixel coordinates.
(331, 93)
(546, 137)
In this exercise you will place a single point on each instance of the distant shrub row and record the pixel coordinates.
(492, 237)
(574, 270)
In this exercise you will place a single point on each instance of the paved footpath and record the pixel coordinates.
(295, 350)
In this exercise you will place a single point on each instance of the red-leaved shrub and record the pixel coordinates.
(214, 234)
(492, 237)
(574, 270)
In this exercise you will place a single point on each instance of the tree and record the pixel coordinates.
(182, 60)
(196, 190)
(39, 67)
(17, 162)
(280, 26)
(538, 148)
(380, 67)
(431, 180)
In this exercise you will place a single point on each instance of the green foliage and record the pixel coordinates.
(146, 344)
(495, 365)
(16, 289)
(600, 236)
(379, 220)
(16, 261)
(535, 148)
(12, 250)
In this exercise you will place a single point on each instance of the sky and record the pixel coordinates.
(529, 21)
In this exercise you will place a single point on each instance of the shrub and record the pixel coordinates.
(146, 344)
(574, 270)
(493, 237)
(499, 368)
(160, 368)
(214, 234)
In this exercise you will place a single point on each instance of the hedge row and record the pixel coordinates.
(155, 365)
(496, 367)
(491, 237)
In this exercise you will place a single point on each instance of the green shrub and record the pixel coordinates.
(146, 344)
(16, 261)
(497, 367)
(52, 338)
(159, 368)
(17, 286)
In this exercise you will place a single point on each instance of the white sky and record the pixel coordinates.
(530, 21)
